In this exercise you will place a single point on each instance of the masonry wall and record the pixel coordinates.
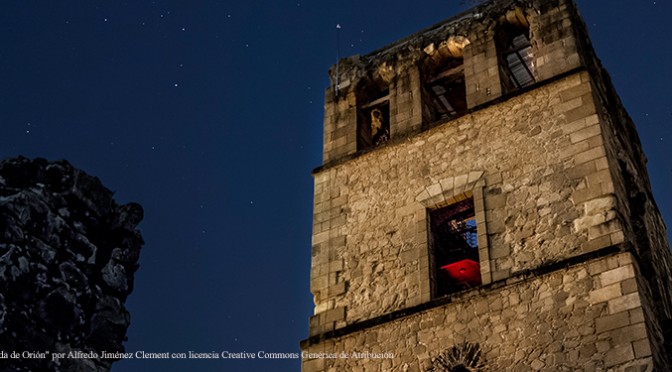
(557, 175)
(555, 52)
(588, 317)
(644, 229)
(547, 194)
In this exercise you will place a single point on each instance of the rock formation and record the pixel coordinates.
(67, 257)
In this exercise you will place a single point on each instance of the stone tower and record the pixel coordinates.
(484, 205)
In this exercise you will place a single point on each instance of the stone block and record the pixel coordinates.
(605, 293)
(603, 229)
(422, 196)
(336, 265)
(577, 125)
(320, 238)
(338, 221)
(617, 275)
(571, 150)
(579, 113)
(474, 176)
(434, 190)
(597, 267)
(592, 154)
(569, 104)
(617, 237)
(619, 355)
(460, 181)
(629, 286)
(602, 176)
(337, 289)
(334, 315)
(499, 252)
(628, 334)
(596, 141)
(625, 258)
(500, 275)
(320, 308)
(583, 170)
(588, 193)
(495, 201)
(609, 322)
(642, 348)
(626, 302)
(607, 188)
(600, 205)
(595, 244)
(408, 256)
(636, 315)
(319, 283)
(574, 92)
(587, 222)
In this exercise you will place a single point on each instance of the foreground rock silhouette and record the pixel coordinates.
(68, 253)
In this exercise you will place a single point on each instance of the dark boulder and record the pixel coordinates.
(68, 253)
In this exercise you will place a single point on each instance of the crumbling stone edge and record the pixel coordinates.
(496, 101)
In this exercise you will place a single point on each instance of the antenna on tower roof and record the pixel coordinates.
(338, 59)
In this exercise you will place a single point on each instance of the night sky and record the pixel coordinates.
(209, 114)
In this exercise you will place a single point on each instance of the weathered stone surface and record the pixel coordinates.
(558, 182)
(520, 237)
(539, 330)
(67, 257)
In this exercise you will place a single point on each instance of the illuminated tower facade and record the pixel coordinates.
(484, 203)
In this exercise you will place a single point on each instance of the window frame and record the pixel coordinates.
(452, 80)
(443, 193)
(381, 136)
(442, 254)
(506, 36)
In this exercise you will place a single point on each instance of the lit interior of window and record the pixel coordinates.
(448, 91)
(520, 62)
(374, 121)
(455, 248)
(517, 61)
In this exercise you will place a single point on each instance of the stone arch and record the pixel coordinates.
(450, 189)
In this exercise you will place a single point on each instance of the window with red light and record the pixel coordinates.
(454, 248)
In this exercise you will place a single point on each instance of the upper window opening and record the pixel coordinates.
(516, 57)
(373, 118)
(446, 87)
(455, 248)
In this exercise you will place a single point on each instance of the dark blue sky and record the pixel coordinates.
(209, 114)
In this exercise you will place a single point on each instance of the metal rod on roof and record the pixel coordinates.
(338, 59)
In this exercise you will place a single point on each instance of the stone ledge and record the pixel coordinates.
(386, 318)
